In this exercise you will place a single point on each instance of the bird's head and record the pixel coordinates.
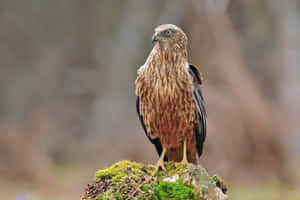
(170, 37)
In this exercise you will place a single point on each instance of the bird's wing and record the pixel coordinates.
(200, 126)
(155, 141)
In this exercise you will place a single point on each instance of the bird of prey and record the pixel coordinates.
(169, 100)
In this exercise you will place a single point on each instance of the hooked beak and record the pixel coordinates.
(154, 38)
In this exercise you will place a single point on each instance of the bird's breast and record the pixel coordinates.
(167, 103)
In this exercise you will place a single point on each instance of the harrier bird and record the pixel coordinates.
(169, 101)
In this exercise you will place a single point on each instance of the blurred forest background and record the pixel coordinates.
(67, 98)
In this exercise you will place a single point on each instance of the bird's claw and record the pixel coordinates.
(182, 163)
(160, 164)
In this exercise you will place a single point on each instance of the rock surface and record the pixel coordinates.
(130, 180)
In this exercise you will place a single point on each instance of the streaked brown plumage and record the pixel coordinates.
(169, 100)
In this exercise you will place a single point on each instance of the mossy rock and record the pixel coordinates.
(131, 180)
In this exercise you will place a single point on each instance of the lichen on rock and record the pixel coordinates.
(131, 180)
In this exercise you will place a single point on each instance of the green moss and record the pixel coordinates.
(203, 181)
(173, 169)
(175, 191)
(120, 172)
(103, 198)
(217, 179)
(130, 180)
(146, 188)
(219, 183)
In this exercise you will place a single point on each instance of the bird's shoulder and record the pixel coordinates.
(195, 73)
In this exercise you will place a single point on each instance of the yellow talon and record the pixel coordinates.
(160, 163)
(184, 160)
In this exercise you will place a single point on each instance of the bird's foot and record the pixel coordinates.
(154, 166)
(182, 163)
(160, 164)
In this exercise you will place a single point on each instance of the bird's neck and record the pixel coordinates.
(163, 66)
(163, 69)
(170, 56)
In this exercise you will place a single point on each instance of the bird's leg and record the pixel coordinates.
(160, 162)
(184, 160)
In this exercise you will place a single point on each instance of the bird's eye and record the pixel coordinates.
(168, 32)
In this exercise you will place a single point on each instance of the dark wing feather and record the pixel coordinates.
(155, 141)
(200, 127)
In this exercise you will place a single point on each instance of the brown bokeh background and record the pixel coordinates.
(67, 74)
